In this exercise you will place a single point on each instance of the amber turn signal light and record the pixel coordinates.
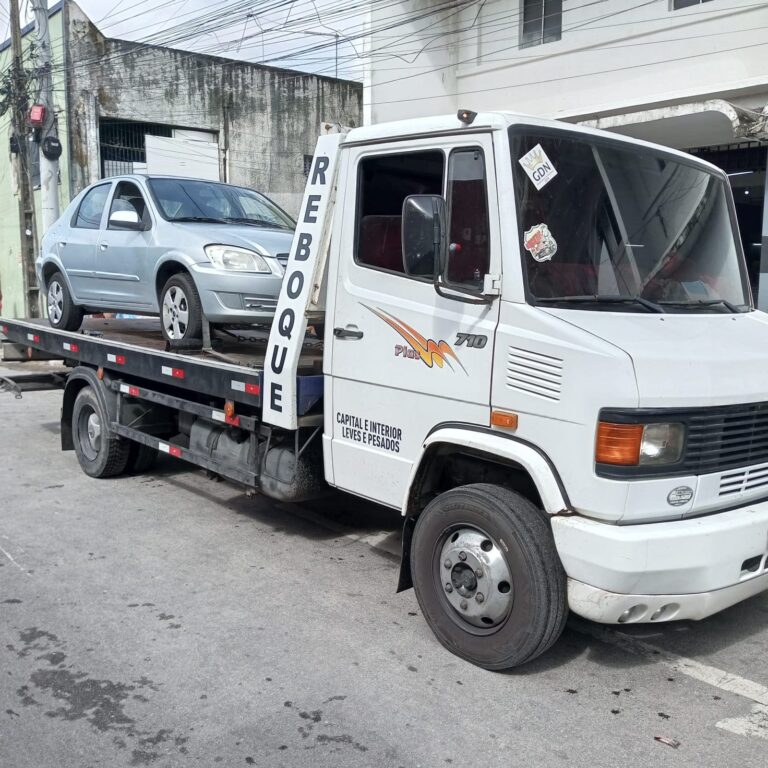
(504, 419)
(618, 443)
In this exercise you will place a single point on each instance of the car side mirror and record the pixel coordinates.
(125, 220)
(423, 235)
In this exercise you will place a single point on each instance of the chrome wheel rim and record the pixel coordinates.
(475, 577)
(55, 302)
(175, 312)
(89, 433)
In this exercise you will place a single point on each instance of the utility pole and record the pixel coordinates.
(49, 168)
(19, 110)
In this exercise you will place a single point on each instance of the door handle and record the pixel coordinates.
(103, 246)
(347, 333)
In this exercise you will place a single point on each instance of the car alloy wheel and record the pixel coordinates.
(55, 302)
(175, 312)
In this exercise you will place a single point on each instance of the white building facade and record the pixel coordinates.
(691, 74)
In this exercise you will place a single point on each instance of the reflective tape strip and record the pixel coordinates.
(118, 359)
(172, 450)
(33, 337)
(70, 347)
(176, 373)
(126, 390)
(241, 386)
(3, 329)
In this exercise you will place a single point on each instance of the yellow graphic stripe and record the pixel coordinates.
(430, 351)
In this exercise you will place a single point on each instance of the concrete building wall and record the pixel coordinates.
(266, 119)
(613, 56)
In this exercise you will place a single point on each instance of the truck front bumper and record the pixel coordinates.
(681, 569)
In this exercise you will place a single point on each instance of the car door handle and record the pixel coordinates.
(347, 333)
(103, 246)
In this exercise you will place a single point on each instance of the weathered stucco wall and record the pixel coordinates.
(267, 119)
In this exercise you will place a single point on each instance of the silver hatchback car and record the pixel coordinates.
(181, 248)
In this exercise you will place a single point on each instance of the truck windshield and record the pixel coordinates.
(605, 225)
(204, 201)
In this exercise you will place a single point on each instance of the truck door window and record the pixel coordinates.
(468, 249)
(91, 208)
(384, 182)
(128, 197)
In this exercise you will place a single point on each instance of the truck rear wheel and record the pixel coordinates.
(99, 451)
(488, 577)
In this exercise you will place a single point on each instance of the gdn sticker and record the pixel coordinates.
(538, 167)
(538, 241)
(432, 353)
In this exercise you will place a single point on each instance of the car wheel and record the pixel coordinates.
(180, 309)
(63, 313)
(99, 451)
(488, 577)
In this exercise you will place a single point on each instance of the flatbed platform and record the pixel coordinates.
(231, 369)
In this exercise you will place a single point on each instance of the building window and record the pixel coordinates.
(542, 22)
(678, 5)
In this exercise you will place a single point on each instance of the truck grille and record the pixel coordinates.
(534, 373)
(726, 438)
(744, 480)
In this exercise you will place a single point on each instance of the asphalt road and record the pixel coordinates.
(169, 620)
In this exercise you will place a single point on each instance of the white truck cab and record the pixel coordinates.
(540, 346)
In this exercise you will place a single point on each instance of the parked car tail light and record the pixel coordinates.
(236, 259)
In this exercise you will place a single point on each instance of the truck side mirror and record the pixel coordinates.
(423, 235)
(124, 220)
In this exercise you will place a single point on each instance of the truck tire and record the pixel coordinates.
(63, 313)
(488, 577)
(100, 453)
(181, 314)
(140, 457)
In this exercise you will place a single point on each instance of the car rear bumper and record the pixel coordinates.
(661, 571)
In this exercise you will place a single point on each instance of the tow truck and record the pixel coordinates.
(537, 342)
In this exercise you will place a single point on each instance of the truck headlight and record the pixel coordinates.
(236, 259)
(639, 444)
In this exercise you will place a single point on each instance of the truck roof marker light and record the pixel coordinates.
(618, 443)
(504, 419)
(466, 116)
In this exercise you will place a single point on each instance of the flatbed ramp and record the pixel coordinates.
(231, 370)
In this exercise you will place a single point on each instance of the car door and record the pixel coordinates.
(404, 358)
(77, 245)
(122, 256)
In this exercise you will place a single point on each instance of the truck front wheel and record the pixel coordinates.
(100, 452)
(488, 577)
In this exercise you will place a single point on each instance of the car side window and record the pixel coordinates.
(384, 181)
(128, 197)
(467, 193)
(92, 207)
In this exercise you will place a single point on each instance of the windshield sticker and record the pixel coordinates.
(538, 241)
(538, 166)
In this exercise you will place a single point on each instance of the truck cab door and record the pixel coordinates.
(405, 359)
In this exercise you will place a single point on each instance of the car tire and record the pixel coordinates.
(181, 314)
(488, 577)
(99, 452)
(63, 313)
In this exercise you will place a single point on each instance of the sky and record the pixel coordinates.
(297, 34)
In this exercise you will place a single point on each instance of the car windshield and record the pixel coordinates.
(606, 226)
(193, 200)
